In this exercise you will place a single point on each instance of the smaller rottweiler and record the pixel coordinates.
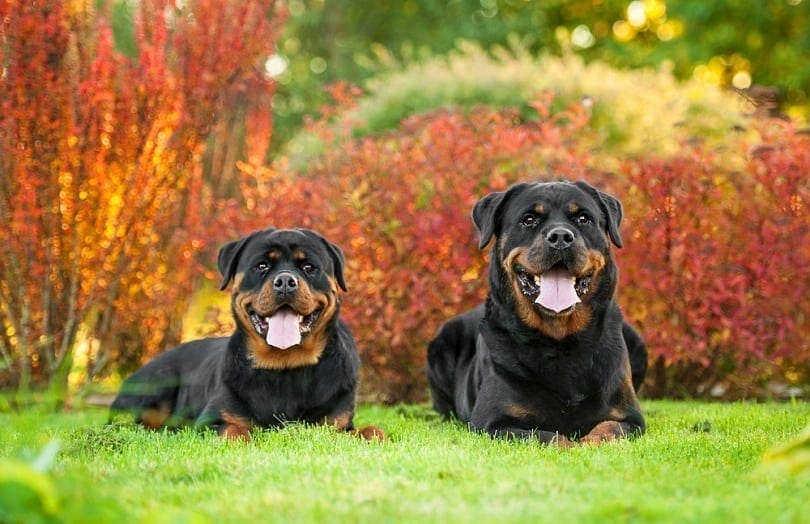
(290, 358)
(548, 356)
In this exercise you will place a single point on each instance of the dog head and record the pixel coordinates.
(551, 260)
(285, 294)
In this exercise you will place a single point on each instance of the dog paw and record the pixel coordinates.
(561, 441)
(235, 433)
(236, 428)
(602, 432)
(370, 433)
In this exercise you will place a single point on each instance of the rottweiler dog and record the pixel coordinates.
(548, 355)
(291, 358)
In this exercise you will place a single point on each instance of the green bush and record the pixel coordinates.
(634, 112)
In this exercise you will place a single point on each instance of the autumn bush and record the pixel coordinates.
(102, 193)
(714, 268)
(717, 263)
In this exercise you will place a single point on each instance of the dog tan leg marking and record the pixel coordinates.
(604, 431)
(370, 433)
(154, 418)
(342, 421)
(562, 442)
(236, 427)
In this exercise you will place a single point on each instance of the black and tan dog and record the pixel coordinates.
(548, 355)
(290, 359)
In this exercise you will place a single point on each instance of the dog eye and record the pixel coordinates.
(529, 220)
(308, 268)
(261, 267)
(584, 219)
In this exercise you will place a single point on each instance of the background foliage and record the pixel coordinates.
(102, 193)
(135, 139)
(715, 270)
(720, 316)
(766, 42)
(632, 111)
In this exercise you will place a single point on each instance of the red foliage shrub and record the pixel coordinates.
(714, 269)
(102, 196)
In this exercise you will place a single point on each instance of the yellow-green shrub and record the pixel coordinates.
(634, 112)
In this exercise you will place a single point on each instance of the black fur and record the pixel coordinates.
(512, 367)
(214, 381)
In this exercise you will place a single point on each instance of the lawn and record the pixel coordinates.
(699, 462)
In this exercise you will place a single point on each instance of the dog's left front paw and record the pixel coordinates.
(235, 428)
(370, 433)
(602, 432)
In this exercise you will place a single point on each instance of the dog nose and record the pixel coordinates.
(560, 238)
(285, 283)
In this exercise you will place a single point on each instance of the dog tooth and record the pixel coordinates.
(537, 279)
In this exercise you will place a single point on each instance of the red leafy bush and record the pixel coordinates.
(102, 197)
(717, 263)
(714, 269)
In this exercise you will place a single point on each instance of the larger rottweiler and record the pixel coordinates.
(548, 355)
(290, 358)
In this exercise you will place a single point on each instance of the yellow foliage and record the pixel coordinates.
(634, 112)
(793, 456)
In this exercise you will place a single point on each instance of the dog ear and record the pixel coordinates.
(486, 213)
(335, 253)
(228, 257)
(610, 207)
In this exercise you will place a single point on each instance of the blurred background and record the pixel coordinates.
(139, 136)
(729, 44)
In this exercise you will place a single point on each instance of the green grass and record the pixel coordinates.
(698, 462)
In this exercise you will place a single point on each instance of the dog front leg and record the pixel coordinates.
(226, 420)
(342, 420)
(610, 430)
(623, 420)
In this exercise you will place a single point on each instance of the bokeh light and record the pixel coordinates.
(722, 70)
(741, 80)
(275, 66)
(582, 37)
(317, 65)
(623, 31)
(647, 17)
(636, 14)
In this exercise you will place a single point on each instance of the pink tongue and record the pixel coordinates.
(557, 291)
(282, 329)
